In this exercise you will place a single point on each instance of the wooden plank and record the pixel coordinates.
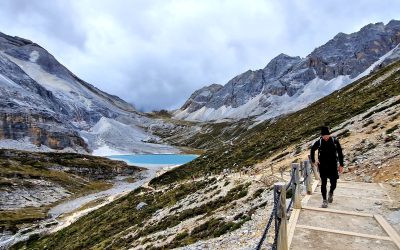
(383, 187)
(280, 188)
(389, 229)
(358, 182)
(371, 236)
(307, 175)
(315, 185)
(337, 211)
(294, 217)
(306, 198)
(358, 188)
(361, 198)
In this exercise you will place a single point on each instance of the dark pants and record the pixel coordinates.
(324, 181)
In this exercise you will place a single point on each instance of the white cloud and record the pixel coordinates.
(156, 53)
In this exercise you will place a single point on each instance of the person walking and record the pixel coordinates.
(329, 153)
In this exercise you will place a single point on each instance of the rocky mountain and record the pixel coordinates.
(42, 102)
(288, 83)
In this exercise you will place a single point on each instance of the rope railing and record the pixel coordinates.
(290, 183)
(279, 211)
(269, 224)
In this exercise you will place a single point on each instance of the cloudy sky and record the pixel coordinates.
(155, 53)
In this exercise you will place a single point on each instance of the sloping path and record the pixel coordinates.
(355, 220)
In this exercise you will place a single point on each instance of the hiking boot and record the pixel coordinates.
(330, 197)
(324, 204)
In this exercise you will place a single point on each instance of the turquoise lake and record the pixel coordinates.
(154, 159)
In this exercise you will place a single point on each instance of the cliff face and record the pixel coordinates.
(45, 103)
(289, 83)
(41, 128)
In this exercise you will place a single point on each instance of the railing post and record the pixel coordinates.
(282, 241)
(315, 169)
(296, 191)
(301, 169)
(307, 176)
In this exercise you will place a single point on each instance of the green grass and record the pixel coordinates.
(98, 228)
(367, 123)
(212, 228)
(17, 168)
(207, 208)
(392, 129)
(11, 218)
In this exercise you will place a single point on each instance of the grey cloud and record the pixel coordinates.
(55, 18)
(156, 53)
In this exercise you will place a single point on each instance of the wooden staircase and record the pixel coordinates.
(353, 221)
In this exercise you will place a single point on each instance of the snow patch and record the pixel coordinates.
(110, 137)
(105, 150)
(375, 64)
(250, 108)
(49, 81)
(278, 105)
(314, 90)
(34, 56)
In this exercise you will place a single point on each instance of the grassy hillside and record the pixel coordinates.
(78, 174)
(119, 225)
(263, 140)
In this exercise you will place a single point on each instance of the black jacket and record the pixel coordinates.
(329, 152)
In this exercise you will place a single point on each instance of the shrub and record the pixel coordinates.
(392, 129)
(343, 134)
(390, 138)
(257, 193)
(369, 122)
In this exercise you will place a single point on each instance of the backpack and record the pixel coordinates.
(334, 140)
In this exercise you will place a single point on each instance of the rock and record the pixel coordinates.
(359, 209)
(367, 178)
(378, 203)
(141, 205)
(377, 163)
(394, 183)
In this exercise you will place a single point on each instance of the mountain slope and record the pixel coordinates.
(199, 201)
(265, 139)
(45, 102)
(288, 83)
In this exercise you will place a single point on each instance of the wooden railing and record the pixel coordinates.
(280, 211)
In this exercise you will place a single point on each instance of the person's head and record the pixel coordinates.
(325, 133)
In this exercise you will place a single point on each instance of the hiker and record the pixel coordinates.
(329, 152)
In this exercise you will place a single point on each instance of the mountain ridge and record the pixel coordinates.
(44, 101)
(258, 92)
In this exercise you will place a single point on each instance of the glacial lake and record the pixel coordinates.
(149, 160)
